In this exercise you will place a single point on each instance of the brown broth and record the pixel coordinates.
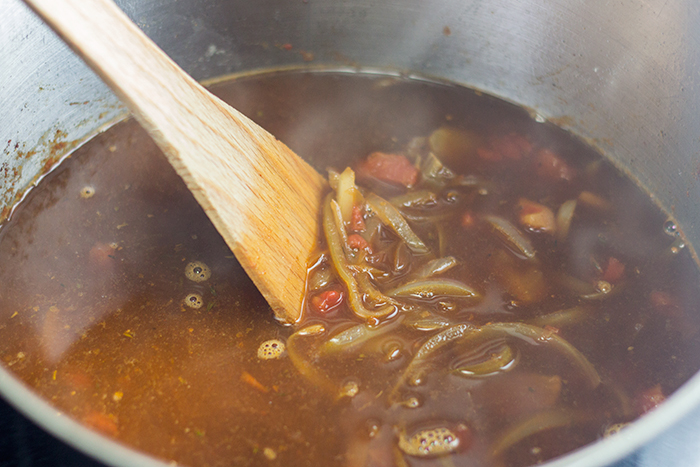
(93, 287)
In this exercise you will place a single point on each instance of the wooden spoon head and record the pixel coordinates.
(263, 199)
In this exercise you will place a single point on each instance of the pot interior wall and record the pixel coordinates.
(620, 75)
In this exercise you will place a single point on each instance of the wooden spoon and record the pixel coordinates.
(262, 198)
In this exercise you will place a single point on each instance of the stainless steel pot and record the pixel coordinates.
(621, 75)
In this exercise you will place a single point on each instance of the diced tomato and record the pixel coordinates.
(511, 146)
(102, 257)
(326, 300)
(487, 153)
(357, 222)
(535, 216)
(468, 220)
(649, 399)
(356, 242)
(664, 303)
(552, 329)
(392, 168)
(465, 436)
(550, 165)
(514, 146)
(614, 271)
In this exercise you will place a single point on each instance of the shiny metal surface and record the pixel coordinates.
(622, 75)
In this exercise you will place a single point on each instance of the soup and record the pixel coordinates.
(493, 292)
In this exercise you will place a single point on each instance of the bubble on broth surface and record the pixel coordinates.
(614, 429)
(197, 271)
(412, 403)
(194, 300)
(429, 443)
(272, 349)
(350, 389)
(88, 191)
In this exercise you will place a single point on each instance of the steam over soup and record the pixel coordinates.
(486, 291)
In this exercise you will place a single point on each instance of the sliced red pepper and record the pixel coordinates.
(356, 242)
(326, 301)
(392, 168)
(357, 222)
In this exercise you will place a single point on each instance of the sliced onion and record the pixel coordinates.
(356, 336)
(538, 423)
(429, 289)
(340, 263)
(535, 334)
(499, 357)
(346, 193)
(392, 217)
(565, 215)
(434, 267)
(511, 235)
(561, 318)
(414, 199)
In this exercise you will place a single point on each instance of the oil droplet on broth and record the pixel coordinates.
(670, 228)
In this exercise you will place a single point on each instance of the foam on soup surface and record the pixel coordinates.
(488, 291)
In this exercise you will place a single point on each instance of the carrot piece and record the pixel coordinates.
(102, 422)
(326, 300)
(251, 381)
(392, 168)
(468, 220)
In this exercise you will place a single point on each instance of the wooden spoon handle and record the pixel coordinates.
(267, 211)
